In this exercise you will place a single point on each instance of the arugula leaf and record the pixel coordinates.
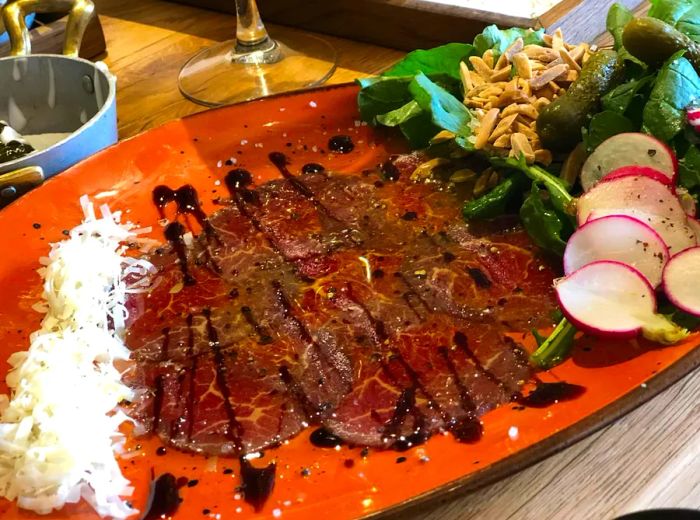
(447, 111)
(380, 95)
(670, 11)
(401, 114)
(557, 188)
(689, 169)
(620, 98)
(444, 59)
(542, 223)
(689, 23)
(496, 201)
(676, 86)
(556, 347)
(498, 40)
(603, 125)
(618, 17)
(419, 130)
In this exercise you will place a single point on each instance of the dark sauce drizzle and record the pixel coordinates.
(469, 428)
(546, 394)
(258, 483)
(263, 336)
(192, 372)
(312, 168)
(322, 438)
(174, 233)
(164, 498)
(341, 144)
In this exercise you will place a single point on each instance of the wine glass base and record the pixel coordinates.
(225, 73)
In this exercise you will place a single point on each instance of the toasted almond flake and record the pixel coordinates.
(502, 75)
(577, 52)
(477, 89)
(503, 127)
(525, 86)
(526, 130)
(543, 156)
(481, 183)
(514, 49)
(547, 39)
(488, 58)
(539, 53)
(541, 103)
(548, 75)
(466, 76)
(570, 77)
(512, 85)
(474, 103)
(487, 125)
(502, 142)
(511, 96)
(557, 40)
(480, 66)
(569, 60)
(442, 136)
(522, 65)
(520, 145)
(522, 108)
(491, 91)
(502, 61)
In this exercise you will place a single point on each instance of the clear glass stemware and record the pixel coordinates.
(256, 64)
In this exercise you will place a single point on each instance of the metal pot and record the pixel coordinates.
(41, 94)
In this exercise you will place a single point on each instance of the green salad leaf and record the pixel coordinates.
(620, 98)
(603, 125)
(689, 23)
(497, 201)
(401, 114)
(440, 60)
(689, 169)
(380, 95)
(684, 15)
(676, 86)
(498, 40)
(546, 228)
(556, 347)
(447, 112)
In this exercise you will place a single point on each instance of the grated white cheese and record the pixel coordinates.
(60, 429)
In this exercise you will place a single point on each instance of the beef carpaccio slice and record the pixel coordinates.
(361, 304)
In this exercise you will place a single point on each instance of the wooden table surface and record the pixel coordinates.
(649, 458)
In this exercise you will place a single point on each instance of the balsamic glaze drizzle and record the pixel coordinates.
(547, 394)
(258, 483)
(322, 438)
(312, 168)
(174, 233)
(341, 144)
(164, 498)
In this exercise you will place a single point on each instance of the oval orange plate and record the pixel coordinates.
(311, 482)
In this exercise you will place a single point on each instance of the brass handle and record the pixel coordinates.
(13, 14)
(18, 182)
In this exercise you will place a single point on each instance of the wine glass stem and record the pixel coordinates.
(250, 30)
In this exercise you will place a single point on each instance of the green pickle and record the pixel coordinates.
(559, 123)
(654, 41)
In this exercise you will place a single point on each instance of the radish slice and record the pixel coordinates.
(693, 115)
(621, 238)
(694, 224)
(627, 171)
(682, 280)
(625, 150)
(607, 298)
(687, 201)
(642, 198)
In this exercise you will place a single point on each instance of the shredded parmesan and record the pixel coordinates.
(59, 430)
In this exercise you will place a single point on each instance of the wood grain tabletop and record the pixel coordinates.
(648, 459)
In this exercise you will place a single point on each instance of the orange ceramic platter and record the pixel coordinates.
(311, 482)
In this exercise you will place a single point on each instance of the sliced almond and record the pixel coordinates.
(520, 145)
(569, 60)
(522, 65)
(537, 66)
(488, 58)
(539, 53)
(514, 49)
(577, 52)
(511, 96)
(540, 103)
(512, 85)
(504, 127)
(478, 89)
(557, 40)
(543, 157)
(491, 91)
(480, 66)
(502, 75)
(502, 142)
(526, 130)
(554, 63)
(502, 61)
(548, 75)
(525, 86)
(486, 126)
(570, 77)
(481, 184)
(547, 39)
(466, 76)
(442, 136)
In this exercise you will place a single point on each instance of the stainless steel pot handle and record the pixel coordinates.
(13, 14)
